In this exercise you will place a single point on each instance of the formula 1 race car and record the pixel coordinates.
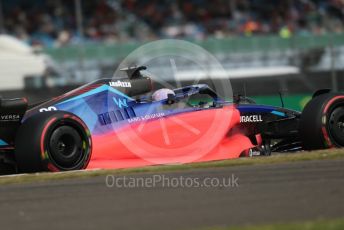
(118, 124)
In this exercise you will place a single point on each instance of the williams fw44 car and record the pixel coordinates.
(125, 123)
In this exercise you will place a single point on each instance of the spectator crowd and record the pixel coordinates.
(53, 23)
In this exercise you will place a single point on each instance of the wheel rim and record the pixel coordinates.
(336, 126)
(66, 147)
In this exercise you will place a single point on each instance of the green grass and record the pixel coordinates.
(308, 225)
(280, 158)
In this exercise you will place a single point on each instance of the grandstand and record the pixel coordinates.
(88, 39)
(53, 23)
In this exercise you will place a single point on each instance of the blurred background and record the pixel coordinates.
(295, 47)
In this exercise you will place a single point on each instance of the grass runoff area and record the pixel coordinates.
(337, 224)
(274, 159)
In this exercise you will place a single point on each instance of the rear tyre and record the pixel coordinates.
(322, 122)
(53, 141)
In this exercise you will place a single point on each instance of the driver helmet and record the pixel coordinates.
(162, 94)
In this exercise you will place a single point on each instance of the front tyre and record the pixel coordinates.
(53, 141)
(322, 122)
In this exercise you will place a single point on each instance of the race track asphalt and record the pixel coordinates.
(265, 194)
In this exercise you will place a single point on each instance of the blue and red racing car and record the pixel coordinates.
(125, 123)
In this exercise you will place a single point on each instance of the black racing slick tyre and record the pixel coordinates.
(53, 141)
(322, 122)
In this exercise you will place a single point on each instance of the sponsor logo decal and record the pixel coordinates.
(124, 84)
(120, 102)
(146, 117)
(251, 118)
(50, 108)
(10, 117)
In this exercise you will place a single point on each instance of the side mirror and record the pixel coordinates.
(171, 99)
